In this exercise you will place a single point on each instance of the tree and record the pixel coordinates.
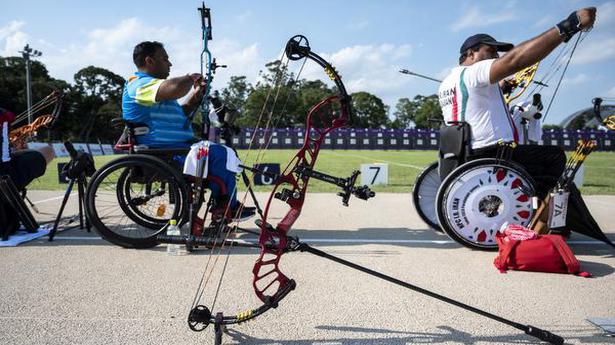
(99, 101)
(272, 100)
(369, 111)
(422, 111)
(578, 122)
(549, 127)
(405, 113)
(428, 111)
(235, 94)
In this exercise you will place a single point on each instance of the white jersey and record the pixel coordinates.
(466, 95)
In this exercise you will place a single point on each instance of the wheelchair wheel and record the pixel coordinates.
(131, 199)
(478, 197)
(424, 195)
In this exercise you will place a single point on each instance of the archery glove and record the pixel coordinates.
(569, 26)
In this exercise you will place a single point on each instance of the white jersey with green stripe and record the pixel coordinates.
(467, 95)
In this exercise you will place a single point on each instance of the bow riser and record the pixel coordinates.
(291, 187)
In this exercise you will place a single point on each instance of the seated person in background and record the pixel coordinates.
(526, 115)
(22, 166)
(471, 93)
(150, 99)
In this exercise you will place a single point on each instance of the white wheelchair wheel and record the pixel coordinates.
(424, 195)
(478, 197)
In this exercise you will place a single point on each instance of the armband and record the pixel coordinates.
(569, 26)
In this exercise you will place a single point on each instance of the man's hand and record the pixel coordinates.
(587, 17)
(200, 85)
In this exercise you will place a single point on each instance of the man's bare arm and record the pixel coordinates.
(535, 49)
(175, 88)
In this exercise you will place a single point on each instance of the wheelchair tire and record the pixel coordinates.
(147, 201)
(478, 197)
(424, 195)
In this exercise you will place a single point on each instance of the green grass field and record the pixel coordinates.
(403, 168)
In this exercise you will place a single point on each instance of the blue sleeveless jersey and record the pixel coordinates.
(168, 125)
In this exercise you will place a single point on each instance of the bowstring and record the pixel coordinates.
(576, 43)
(260, 155)
(556, 64)
(267, 143)
(38, 106)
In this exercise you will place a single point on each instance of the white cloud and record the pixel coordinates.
(594, 49)
(610, 93)
(476, 18)
(605, 16)
(111, 48)
(14, 38)
(370, 68)
(576, 80)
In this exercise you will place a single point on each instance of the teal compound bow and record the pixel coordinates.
(208, 69)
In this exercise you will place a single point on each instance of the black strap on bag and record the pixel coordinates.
(455, 140)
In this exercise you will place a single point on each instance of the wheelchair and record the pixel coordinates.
(470, 200)
(131, 199)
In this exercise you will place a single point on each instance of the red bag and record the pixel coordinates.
(544, 253)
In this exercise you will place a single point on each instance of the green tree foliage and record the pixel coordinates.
(272, 100)
(235, 94)
(549, 127)
(421, 111)
(578, 122)
(405, 111)
(369, 111)
(99, 100)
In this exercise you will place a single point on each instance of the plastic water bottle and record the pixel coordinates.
(173, 230)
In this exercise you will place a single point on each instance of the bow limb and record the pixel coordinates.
(207, 70)
(520, 82)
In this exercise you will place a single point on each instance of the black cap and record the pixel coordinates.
(477, 39)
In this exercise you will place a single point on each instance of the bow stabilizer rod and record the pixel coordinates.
(536, 332)
(405, 71)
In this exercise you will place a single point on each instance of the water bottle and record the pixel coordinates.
(173, 230)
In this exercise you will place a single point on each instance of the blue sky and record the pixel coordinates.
(368, 41)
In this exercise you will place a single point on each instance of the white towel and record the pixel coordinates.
(197, 150)
(191, 164)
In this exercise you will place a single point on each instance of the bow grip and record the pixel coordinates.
(544, 335)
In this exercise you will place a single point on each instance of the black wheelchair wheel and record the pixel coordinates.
(134, 194)
(131, 199)
(478, 197)
(424, 195)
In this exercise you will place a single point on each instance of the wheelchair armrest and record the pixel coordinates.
(162, 151)
(118, 122)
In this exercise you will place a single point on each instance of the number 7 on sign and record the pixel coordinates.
(375, 173)
(377, 168)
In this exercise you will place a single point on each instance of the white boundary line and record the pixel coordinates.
(52, 199)
(374, 159)
(330, 240)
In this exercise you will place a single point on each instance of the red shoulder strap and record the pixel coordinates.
(569, 259)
